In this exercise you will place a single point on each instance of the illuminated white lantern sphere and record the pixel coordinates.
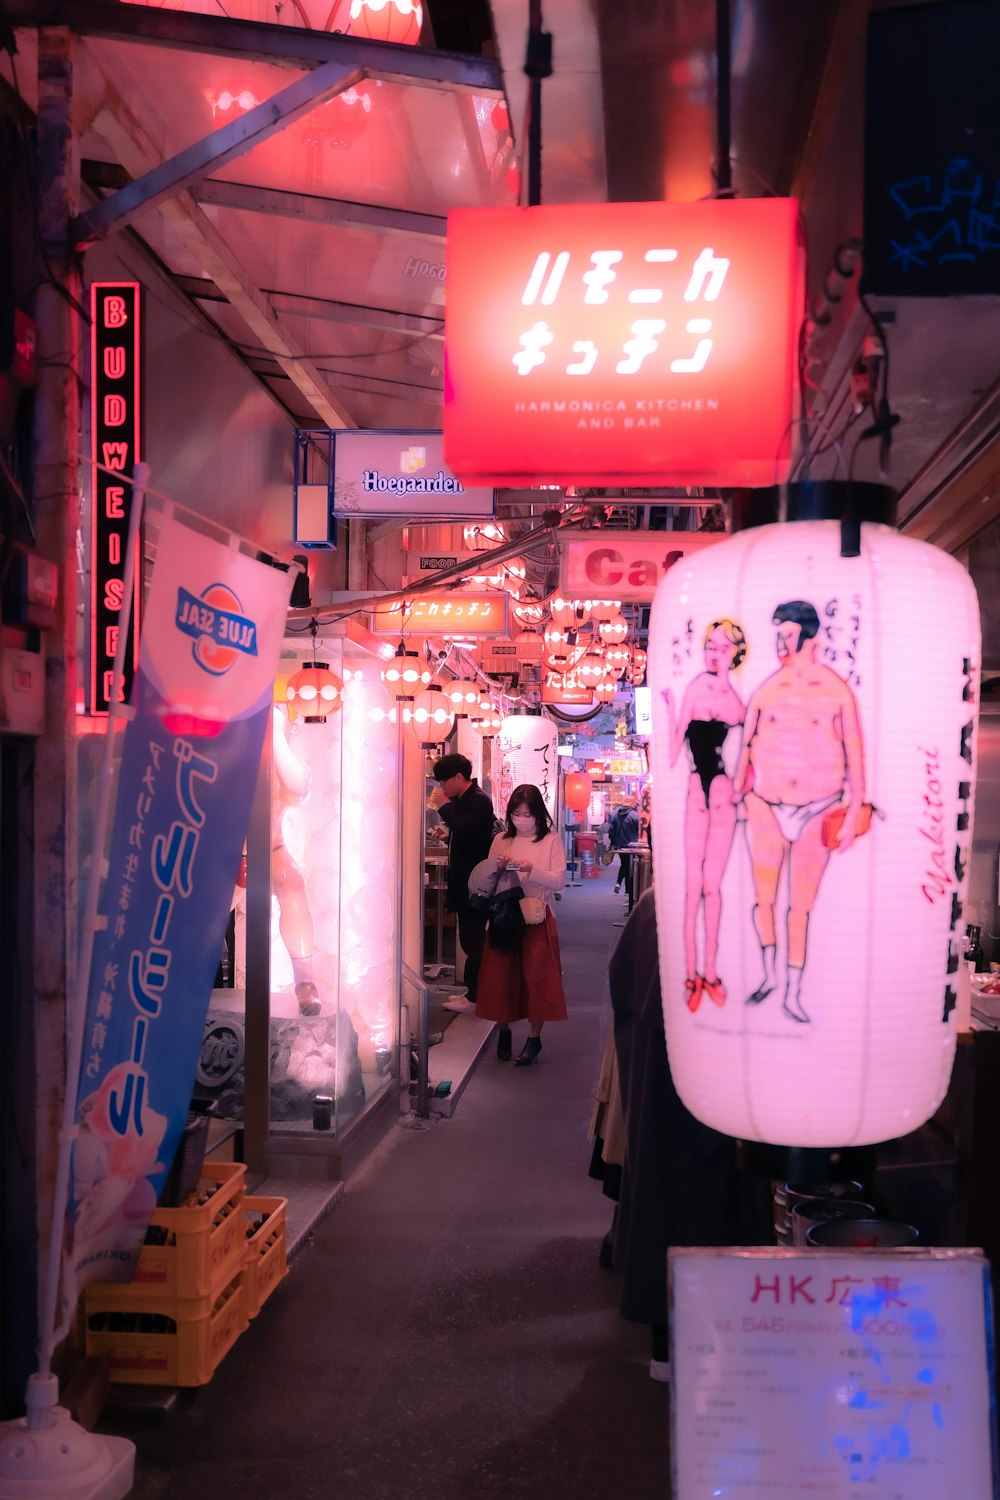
(603, 610)
(808, 977)
(530, 613)
(563, 648)
(592, 669)
(463, 696)
(405, 674)
(527, 750)
(613, 631)
(570, 613)
(432, 718)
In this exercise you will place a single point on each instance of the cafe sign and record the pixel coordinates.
(618, 343)
(626, 565)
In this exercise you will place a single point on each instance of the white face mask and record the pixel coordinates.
(523, 822)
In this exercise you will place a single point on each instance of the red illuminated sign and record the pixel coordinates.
(565, 687)
(611, 343)
(114, 386)
(446, 612)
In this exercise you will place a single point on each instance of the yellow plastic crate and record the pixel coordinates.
(203, 1244)
(266, 1254)
(169, 1341)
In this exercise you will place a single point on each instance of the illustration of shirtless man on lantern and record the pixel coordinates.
(801, 780)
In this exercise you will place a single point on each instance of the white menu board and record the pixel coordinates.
(826, 1374)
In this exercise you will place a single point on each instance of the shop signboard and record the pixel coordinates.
(190, 755)
(629, 763)
(507, 656)
(447, 612)
(565, 688)
(115, 415)
(616, 343)
(384, 474)
(625, 565)
(835, 1373)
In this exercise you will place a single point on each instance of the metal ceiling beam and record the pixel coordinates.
(260, 41)
(124, 134)
(213, 151)
(313, 210)
(372, 385)
(352, 313)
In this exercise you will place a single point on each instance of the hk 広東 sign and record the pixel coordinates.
(190, 756)
(616, 343)
(115, 444)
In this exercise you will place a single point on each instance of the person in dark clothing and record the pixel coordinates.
(468, 815)
(680, 1184)
(622, 831)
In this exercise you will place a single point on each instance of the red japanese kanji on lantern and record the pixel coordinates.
(605, 343)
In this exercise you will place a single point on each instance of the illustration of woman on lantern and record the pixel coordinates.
(295, 924)
(709, 721)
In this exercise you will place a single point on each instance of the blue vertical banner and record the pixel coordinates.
(212, 631)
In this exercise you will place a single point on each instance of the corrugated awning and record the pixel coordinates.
(292, 183)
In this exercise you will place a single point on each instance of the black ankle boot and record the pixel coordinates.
(504, 1047)
(529, 1052)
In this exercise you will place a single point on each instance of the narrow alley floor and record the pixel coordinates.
(448, 1333)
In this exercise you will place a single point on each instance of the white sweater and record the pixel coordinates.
(547, 859)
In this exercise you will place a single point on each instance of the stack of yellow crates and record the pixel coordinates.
(204, 1271)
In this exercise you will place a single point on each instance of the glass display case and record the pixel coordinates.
(334, 882)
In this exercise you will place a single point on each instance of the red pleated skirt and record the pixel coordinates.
(525, 985)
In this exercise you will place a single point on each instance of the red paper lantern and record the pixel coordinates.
(342, 120)
(387, 20)
(500, 118)
(570, 613)
(577, 789)
(315, 692)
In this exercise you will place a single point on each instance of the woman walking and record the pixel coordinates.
(526, 983)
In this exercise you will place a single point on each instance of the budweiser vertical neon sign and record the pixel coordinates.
(115, 441)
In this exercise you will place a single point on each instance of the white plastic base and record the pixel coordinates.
(47, 1456)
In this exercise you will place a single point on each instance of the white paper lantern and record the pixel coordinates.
(569, 613)
(528, 752)
(463, 695)
(809, 989)
(433, 717)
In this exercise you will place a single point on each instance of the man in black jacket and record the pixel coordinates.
(467, 813)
